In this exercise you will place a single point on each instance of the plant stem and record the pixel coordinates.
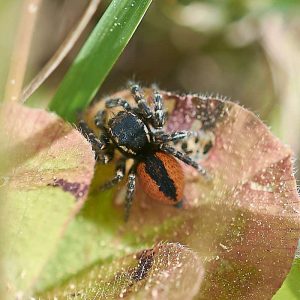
(21, 50)
(61, 52)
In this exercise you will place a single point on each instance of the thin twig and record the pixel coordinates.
(21, 50)
(61, 52)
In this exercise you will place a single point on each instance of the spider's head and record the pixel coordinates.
(129, 132)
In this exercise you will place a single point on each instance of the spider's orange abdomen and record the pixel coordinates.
(161, 177)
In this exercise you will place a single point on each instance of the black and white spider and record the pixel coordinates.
(136, 131)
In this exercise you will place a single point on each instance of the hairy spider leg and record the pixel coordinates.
(103, 152)
(130, 190)
(112, 103)
(139, 98)
(119, 175)
(185, 158)
(162, 137)
(100, 119)
(98, 143)
(159, 117)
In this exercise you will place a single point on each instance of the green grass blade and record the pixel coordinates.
(97, 56)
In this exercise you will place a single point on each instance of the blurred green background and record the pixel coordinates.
(247, 50)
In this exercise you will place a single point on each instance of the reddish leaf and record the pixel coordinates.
(243, 222)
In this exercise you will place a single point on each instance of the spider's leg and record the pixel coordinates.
(100, 119)
(119, 175)
(159, 117)
(130, 191)
(111, 103)
(185, 158)
(104, 151)
(97, 143)
(162, 137)
(140, 100)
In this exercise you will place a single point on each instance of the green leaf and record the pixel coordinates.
(46, 170)
(290, 288)
(168, 271)
(97, 56)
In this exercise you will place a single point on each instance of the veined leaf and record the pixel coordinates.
(166, 271)
(243, 223)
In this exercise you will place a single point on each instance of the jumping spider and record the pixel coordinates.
(136, 132)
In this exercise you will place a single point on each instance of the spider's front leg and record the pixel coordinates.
(97, 143)
(117, 102)
(185, 158)
(158, 117)
(139, 98)
(102, 147)
(130, 191)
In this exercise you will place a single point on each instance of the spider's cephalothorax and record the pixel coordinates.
(136, 132)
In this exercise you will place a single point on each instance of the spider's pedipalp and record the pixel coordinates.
(104, 158)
